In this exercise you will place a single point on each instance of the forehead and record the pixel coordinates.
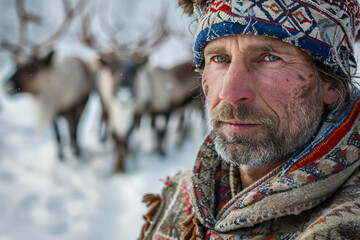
(251, 43)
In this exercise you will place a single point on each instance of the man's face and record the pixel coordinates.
(263, 98)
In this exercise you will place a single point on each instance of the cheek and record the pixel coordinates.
(205, 87)
(278, 101)
(306, 91)
(275, 89)
(288, 93)
(304, 100)
(211, 90)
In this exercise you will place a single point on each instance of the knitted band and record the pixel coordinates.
(326, 29)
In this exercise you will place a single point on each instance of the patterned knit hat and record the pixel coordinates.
(326, 29)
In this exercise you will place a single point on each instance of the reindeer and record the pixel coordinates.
(172, 91)
(59, 84)
(130, 87)
(120, 107)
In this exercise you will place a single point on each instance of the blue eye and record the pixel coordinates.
(271, 58)
(220, 59)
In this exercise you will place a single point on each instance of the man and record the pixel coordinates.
(281, 161)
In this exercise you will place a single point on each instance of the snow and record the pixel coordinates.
(42, 198)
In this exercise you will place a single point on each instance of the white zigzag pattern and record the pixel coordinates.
(220, 5)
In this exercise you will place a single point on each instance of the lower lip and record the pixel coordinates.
(239, 128)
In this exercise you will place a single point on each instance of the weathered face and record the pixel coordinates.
(264, 99)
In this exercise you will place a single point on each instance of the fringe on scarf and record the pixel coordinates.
(191, 225)
(153, 202)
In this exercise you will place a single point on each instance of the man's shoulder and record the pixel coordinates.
(182, 176)
(173, 207)
(339, 216)
(177, 183)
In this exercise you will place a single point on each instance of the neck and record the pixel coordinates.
(250, 174)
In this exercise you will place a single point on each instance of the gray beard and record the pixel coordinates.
(242, 150)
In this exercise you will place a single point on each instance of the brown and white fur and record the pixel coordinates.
(60, 86)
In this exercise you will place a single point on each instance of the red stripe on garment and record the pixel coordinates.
(328, 143)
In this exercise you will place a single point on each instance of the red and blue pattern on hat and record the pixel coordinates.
(325, 29)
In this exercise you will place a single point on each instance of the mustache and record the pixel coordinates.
(241, 112)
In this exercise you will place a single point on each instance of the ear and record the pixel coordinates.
(48, 58)
(331, 93)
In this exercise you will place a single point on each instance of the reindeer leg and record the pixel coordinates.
(181, 129)
(58, 141)
(154, 128)
(104, 125)
(162, 135)
(137, 120)
(74, 119)
(73, 123)
(128, 135)
(120, 154)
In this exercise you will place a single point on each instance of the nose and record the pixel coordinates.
(237, 84)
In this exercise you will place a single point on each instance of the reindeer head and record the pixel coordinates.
(124, 60)
(123, 72)
(30, 60)
(25, 79)
(125, 90)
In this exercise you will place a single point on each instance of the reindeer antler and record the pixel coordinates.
(141, 47)
(69, 15)
(24, 19)
(88, 37)
(149, 43)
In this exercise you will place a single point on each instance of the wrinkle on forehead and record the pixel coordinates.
(252, 43)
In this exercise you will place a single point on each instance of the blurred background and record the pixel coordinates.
(98, 105)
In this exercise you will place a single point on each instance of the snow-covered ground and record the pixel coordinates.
(42, 198)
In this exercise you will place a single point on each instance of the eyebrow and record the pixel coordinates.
(218, 50)
(214, 51)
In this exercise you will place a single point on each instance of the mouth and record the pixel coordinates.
(236, 126)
